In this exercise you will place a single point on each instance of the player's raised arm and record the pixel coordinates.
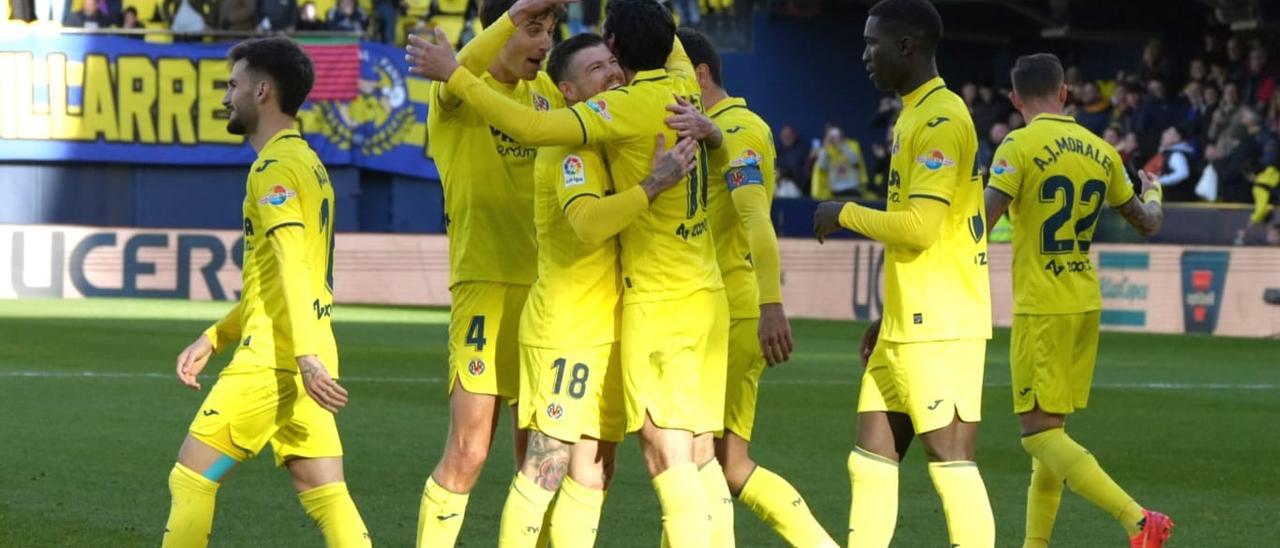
(595, 219)
(1146, 213)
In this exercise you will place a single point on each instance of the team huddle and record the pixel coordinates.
(614, 270)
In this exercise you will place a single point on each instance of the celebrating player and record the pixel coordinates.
(570, 379)
(488, 196)
(924, 373)
(741, 187)
(279, 387)
(675, 316)
(1054, 176)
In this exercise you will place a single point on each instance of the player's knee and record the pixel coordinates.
(467, 457)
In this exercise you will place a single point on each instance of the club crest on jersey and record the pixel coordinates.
(575, 172)
(278, 196)
(476, 367)
(935, 160)
(1002, 167)
(600, 107)
(541, 103)
(749, 158)
(555, 411)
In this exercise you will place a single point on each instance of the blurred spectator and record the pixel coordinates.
(1154, 64)
(878, 165)
(188, 15)
(1124, 113)
(1237, 170)
(388, 12)
(308, 18)
(792, 155)
(238, 15)
(92, 15)
(1156, 113)
(839, 168)
(1112, 137)
(1094, 111)
(887, 114)
(347, 16)
(1227, 109)
(1235, 58)
(969, 93)
(1197, 71)
(1259, 84)
(1015, 121)
(1128, 149)
(279, 15)
(1199, 111)
(988, 145)
(989, 109)
(687, 11)
(1271, 114)
(129, 20)
(1176, 165)
(1219, 75)
(1213, 52)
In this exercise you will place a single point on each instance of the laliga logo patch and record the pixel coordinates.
(476, 367)
(600, 107)
(935, 160)
(541, 103)
(1002, 167)
(278, 196)
(749, 158)
(555, 411)
(575, 172)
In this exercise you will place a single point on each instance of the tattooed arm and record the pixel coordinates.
(1145, 214)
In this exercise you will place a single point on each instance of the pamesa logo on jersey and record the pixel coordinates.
(381, 117)
(935, 160)
(749, 157)
(1002, 167)
(278, 196)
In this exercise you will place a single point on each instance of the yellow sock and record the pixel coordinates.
(1067, 459)
(440, 516)
(523, 513)
(190, 510)
(331, 507)
(965, 503)
(575, 518)
(874, 511)
(778, 504)
(685, 518)
(1043, 496)
(719, 502)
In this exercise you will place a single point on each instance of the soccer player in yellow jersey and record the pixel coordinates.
(488, 196)
(570, 380)
(741, 185)
(1053, 177)
(924, 376)
(675, 315)
(279, 387)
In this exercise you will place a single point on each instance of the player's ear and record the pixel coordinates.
(567, 90)
(1062, 93)
(1016, 100)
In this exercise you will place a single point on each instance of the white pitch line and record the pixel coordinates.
(1172, 386)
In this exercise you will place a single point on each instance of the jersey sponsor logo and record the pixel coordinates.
(476, 367)
(278, 196)
(749, 157)
(935, 160)
(599, 106)
(1002, 167)
(574, 170)
(541, 103)
(555, 411)
(685, 232)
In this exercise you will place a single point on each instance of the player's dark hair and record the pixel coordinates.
(491, 10)
(1037, 76)
(702, 52)
(642, 32)
(915, 18)
(562, 55)
(284, 62)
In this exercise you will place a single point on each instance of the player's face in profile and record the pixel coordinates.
(239, 100)
(594, 70)
(879, 56)
(524, 52)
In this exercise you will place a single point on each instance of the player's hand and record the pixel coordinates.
(669, 166)
(826, 219)
(193, 359)
(688, 121)
(1150, 182)
(775, 334)
(320, 386)
(524, 10)
(869, 338)
(432, 59)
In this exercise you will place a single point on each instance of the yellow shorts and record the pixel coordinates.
(484, 343)
(674, 362)
(746, 363)
(932, 382)
(250, 406)
(570, 394)
(1051, 358)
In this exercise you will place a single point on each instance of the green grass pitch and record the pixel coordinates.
(1185, 423)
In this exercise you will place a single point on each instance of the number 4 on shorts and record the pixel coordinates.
(475, 333)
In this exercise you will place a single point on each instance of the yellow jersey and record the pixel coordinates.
(744, 163)
(488, 185)
(1058, 174)
(287, 185)
(942, 292)
(575, 301)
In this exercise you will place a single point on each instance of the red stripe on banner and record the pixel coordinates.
(337, 71)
